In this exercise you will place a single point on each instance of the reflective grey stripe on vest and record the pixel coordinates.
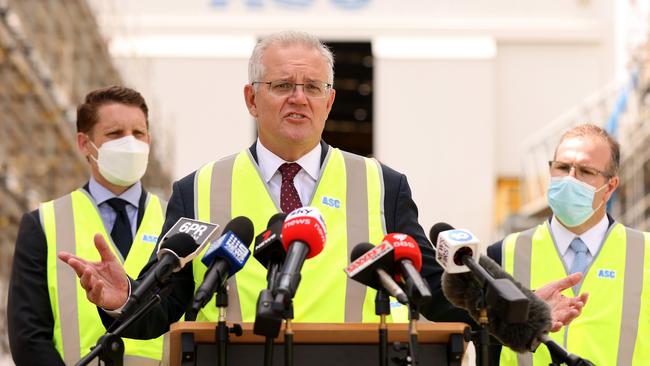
(66, 281)
(139, 361)
(634, 255)
(220, 211)
(357, 229)
(521, 272)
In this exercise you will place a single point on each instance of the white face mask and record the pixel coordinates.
(122, 161)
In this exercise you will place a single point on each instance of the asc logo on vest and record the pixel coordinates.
(148, 238)
(327, 201)
(606, 273)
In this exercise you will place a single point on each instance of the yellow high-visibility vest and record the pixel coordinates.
(614, 325)
(349, 194)
(70, 223)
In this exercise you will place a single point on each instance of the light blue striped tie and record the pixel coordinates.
(580, 259)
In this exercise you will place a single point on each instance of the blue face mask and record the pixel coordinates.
(571, 200)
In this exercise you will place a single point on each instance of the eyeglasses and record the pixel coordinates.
(282, 88)
(584, 173)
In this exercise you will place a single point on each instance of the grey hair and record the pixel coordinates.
(285, 38)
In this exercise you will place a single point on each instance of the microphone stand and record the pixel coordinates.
(267, 321)
(288, 335)
(481, 336)
(560, 356)
(110, 347)
(382, 308)
(414, 315)
(222, 330)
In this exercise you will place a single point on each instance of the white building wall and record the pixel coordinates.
(548, 56)
(202, 100)
(536, 83)
(435, 123)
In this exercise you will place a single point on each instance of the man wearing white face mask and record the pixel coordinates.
(49, 322)
(581, 237)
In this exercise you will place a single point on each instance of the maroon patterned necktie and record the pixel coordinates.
(289, 198)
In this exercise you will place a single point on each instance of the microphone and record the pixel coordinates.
(303, 237)
(224, 258)
(457, 252)
(190, 237)
(464, 292)
(170, 254)
(269, 250)
(452, 246)
(559, 353)
(370, 265)
(409, 263)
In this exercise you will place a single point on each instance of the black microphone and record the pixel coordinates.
(436, 229)
(224, 258)
(561, 355)
(269, 250)
(170, 255)
(372, 266)
(457, 251)
(464, 292)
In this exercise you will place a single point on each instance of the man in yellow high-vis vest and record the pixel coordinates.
(289, 94)
(50, 320)
(582, 237)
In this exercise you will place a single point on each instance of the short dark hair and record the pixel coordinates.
(87, 111)
(593, 130)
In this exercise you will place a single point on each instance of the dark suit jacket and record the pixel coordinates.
(29, 313)
(401, 216)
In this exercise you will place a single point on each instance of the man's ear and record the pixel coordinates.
(83, 144)
(249, 97)
(612, 185)
(330, 100)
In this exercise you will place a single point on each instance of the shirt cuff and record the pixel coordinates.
(117, 312)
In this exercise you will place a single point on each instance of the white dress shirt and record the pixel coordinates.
(305, 180)
(101, 194)
(593, 238)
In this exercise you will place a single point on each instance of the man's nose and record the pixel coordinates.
(298, 94)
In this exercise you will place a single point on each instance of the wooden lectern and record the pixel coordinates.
(316, 344)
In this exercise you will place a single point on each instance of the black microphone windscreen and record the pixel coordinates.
(464, 291)
(182, 244)
(519, 336)
(241, 226)
(359, 250)
(278, 217)
(436, 229)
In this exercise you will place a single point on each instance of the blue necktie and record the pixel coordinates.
(580, 259)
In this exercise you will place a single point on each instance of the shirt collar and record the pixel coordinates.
(269, 162)
(593, 237)
(101, 194)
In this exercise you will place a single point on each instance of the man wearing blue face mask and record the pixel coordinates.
(581, 238)
(50, 323)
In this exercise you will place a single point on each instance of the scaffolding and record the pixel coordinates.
(51, 56)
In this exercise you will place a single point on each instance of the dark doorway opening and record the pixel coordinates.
(349, 126)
